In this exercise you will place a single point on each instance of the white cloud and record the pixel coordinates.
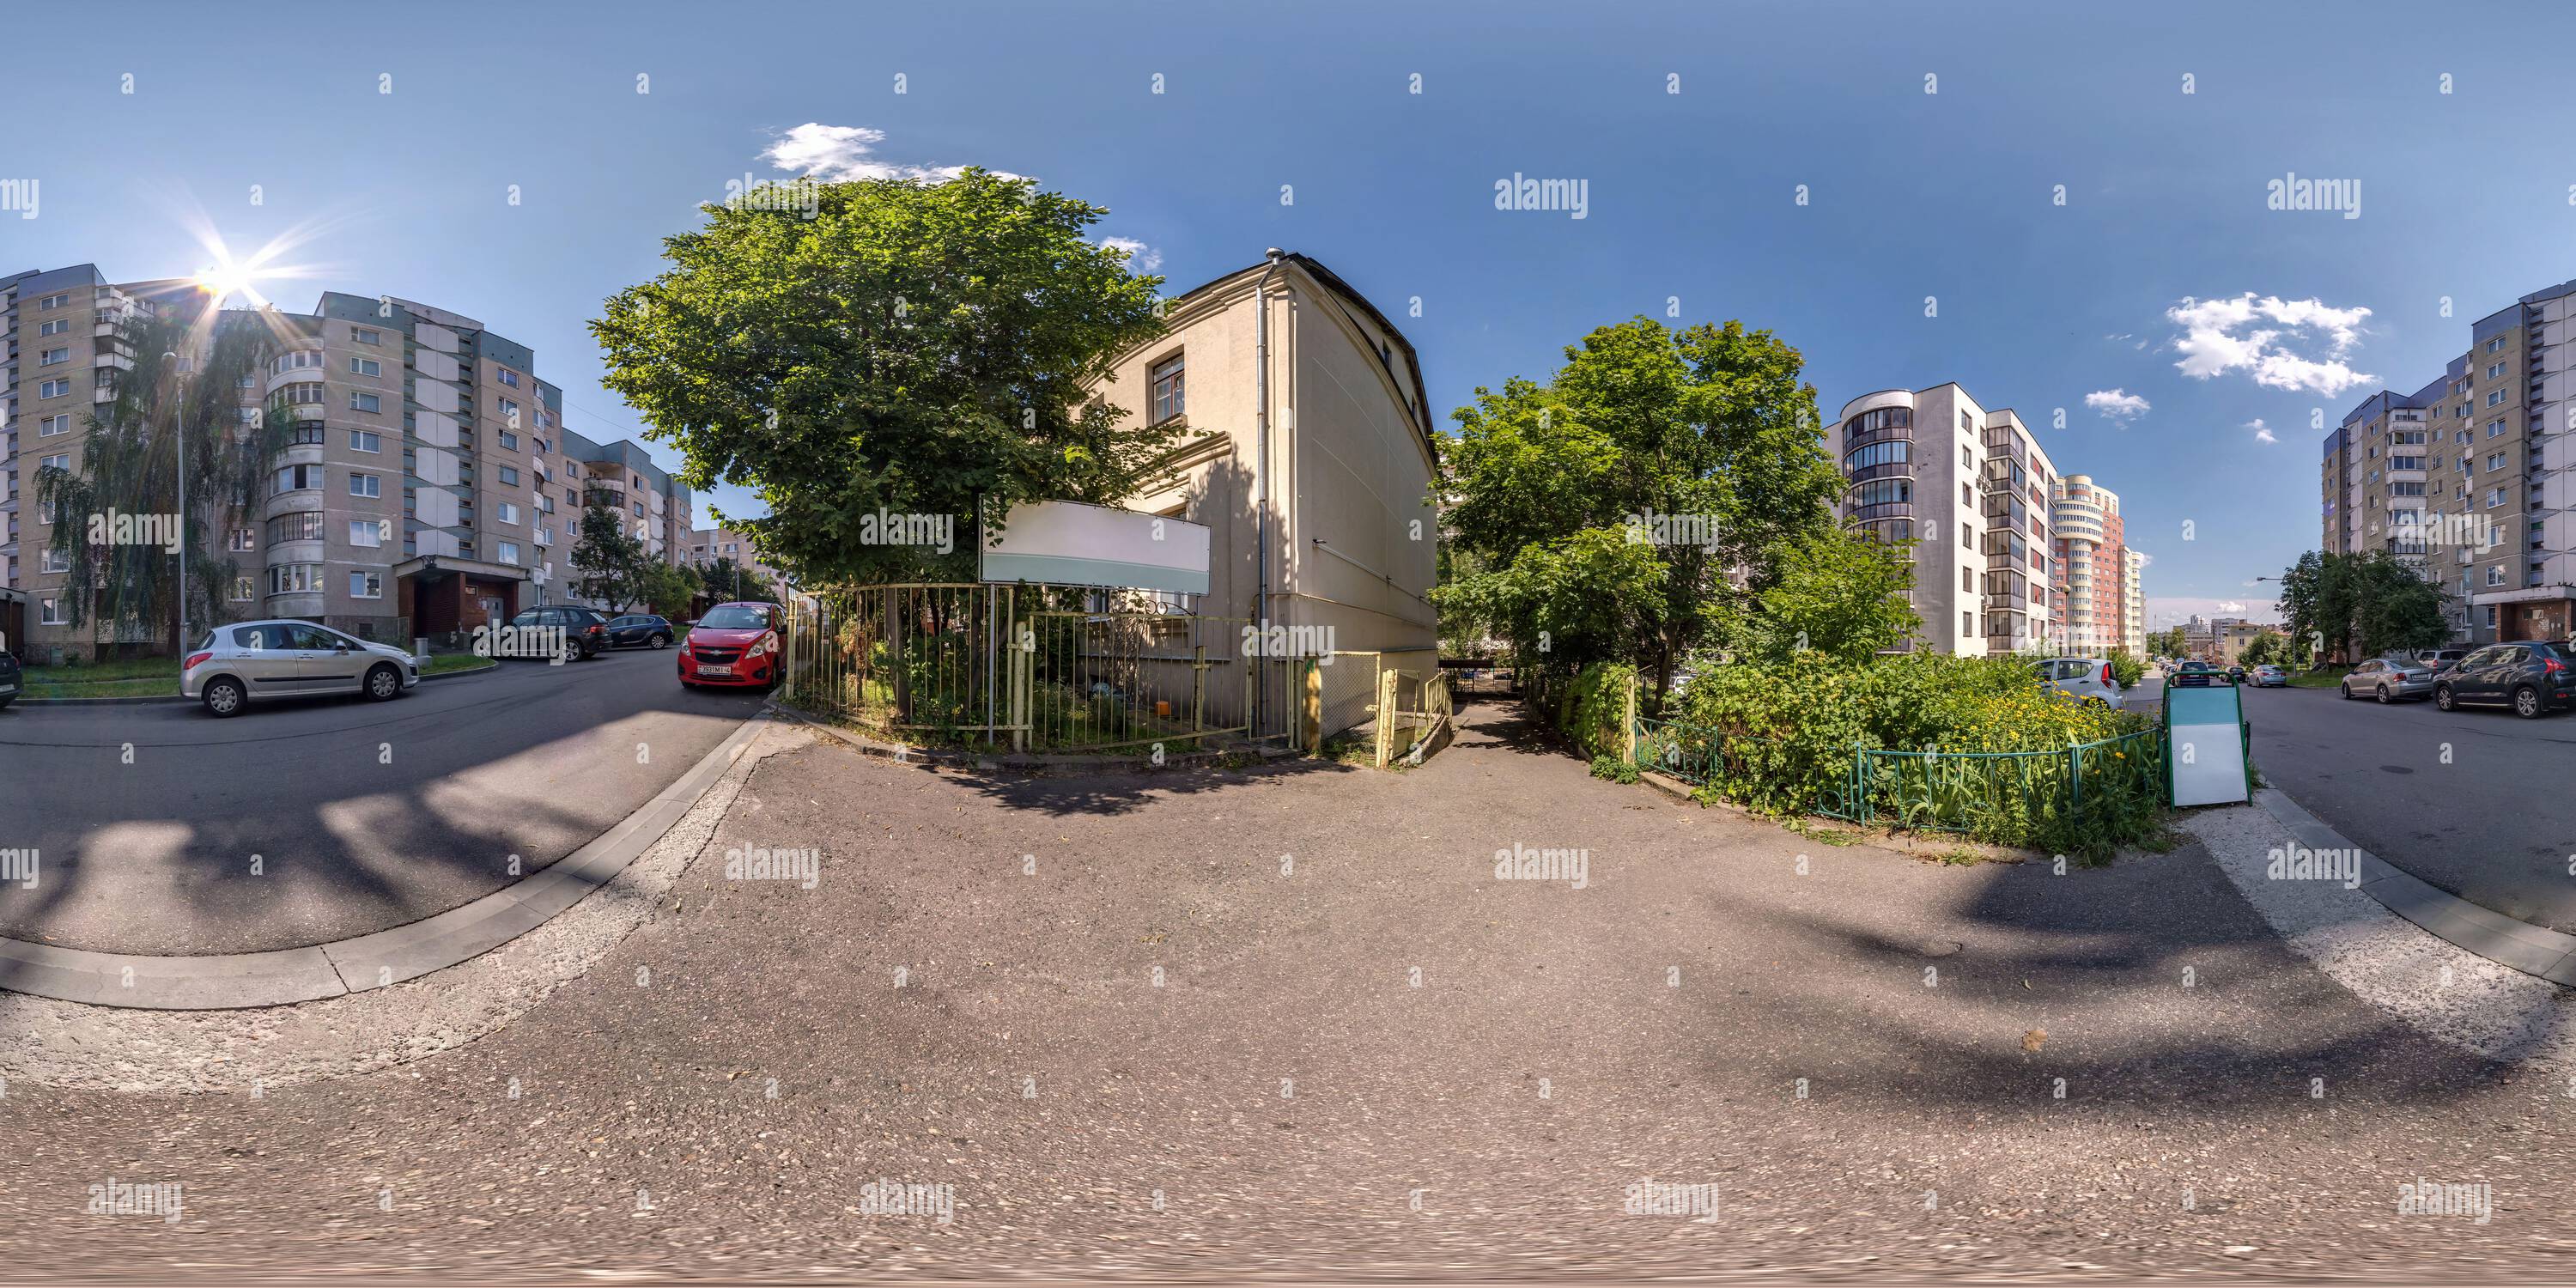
(836, 153)
(2232, 606)
(2215, 340)
(2262, 432)
(2164, 611)
(2118, 404)
(1140, 257)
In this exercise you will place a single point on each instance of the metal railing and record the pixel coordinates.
(1035, 668)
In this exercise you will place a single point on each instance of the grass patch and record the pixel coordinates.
(2325, 678)
(449, 663)
(141, 688)
(1960, 856)
(108, 672)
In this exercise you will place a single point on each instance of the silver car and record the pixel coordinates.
(2388, 678)
(2086, 679)
(248, 662)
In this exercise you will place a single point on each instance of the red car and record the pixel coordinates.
(734, 645)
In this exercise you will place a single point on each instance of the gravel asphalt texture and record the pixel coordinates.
(1170, 1025)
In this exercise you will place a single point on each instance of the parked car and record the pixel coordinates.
(233, 666)
(2531, 676)
(10, 678)
(2086, 679)
(2440, 659)
(2388, 679)
(642, 629)
(2236, 673)
(2194, 675)
(733, 646)
(562, 632)
(2268, 676)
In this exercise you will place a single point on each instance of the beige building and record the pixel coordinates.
(707, 545)
(1311, 461)
(1973, 489)
(426, 483)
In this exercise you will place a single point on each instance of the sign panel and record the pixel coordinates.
(2205, 746)
(1067, 543)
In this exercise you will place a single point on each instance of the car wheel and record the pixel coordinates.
(2526, 703)
(224, 696)
(384, 684)
(660, 640)
(2345, 689)
(2385, 697)
(2442, 696)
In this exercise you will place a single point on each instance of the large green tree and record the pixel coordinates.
(1633, 506)
(178, 394)
(612, 563)
(1840, 592)
(2362, 605)
(915, 347)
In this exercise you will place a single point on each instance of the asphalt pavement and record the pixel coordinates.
(2478, 802)
(1287, 1022)
(160, 829)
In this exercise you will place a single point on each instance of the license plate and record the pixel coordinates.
(8, 688)
(715, 670)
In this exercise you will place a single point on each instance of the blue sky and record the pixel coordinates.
(1950, 195)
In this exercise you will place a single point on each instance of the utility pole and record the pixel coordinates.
(180, 422)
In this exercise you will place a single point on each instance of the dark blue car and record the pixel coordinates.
(9, 678)
(642, 629)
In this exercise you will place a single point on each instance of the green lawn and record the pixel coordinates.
(145, 677)
(2324, 678)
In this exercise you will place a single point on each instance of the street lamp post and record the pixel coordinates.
(180, 421)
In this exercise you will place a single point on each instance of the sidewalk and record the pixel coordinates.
(1697, 1013)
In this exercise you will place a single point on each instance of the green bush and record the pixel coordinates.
(1593, 709)
(1787, 731)
(2127, 669)
(1614, 769)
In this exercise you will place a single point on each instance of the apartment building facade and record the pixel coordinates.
(2467, 478)
(2133, 599)
(426, 484)
(2093, 569)
(1974, 490)
(707, 545)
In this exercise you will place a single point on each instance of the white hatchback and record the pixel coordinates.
(2083, 678)
(254, 661)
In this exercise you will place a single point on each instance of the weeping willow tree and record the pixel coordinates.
(129, 465)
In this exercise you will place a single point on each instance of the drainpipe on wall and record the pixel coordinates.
(1261, 464)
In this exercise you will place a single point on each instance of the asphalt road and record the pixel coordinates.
(2478, 802)
(1154, 1047)
(161, 830)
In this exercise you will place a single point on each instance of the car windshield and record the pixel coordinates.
(734, 619)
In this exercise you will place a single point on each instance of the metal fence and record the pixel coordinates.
(1986, 793)
(1037, 668)
(1414, 708)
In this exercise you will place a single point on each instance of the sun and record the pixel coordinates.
(224, 280)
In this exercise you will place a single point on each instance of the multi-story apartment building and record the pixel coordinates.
(707, 545)
(1973, 489)
(2133, 601)
(2092, 566)
(426, 484)
(2468, 479)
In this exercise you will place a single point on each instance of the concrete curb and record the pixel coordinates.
(1023, 763)
(239, 980)
(174, 697)
(2533, 950)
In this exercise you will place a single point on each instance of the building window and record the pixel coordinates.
(52, 356)
(2495, 577)
(304, 526)
(294, 579)
(1967, 537)
(510, 413)
(2495, 345)
(366, 585)
(509, 476)
(50, 613)
(366, 532)
(364, 402)
(51, 560)
(509, 377)
(243, 539)
(365, 367)
(506, 512)
(55, 301)
(296, 478)
(366, 440)
(366, 485)
(54, 389)
(300, 360)
(1967, 619)
(2495, 460)
(59, 326)
(244, 590)
(1170, 402)
(365, 336)
(506, 551)
(509, 441)
(2495, 396)
(52, 425)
